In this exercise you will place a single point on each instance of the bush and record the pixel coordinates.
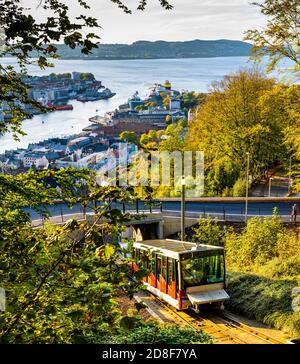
(151, 333)
(239, 188)
(227, 192)
(287, 244)
(256, 244)
(209, 232)
(281, 268)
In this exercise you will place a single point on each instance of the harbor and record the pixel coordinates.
(123, 78)
(88, 148)
(162, 105)
(54, 92)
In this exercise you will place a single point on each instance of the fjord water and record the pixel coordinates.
(123, 77)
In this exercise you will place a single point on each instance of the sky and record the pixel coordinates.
(189, 19)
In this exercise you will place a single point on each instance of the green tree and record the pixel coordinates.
(191, 99)
(263, 267)
(140, 108)
(87, 76)
(292, 133)
(280, 108)
(234, 120)
(61, 281)
(130, 137)
(172, 138)
(280, 39)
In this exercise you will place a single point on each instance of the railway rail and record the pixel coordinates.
(221, 326)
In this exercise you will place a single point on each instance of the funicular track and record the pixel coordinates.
(224, 328)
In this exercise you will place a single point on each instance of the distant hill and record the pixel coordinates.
(162, 49)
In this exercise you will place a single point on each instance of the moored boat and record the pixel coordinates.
(95, 96)
(60, 107)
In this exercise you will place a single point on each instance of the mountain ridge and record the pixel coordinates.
(161, 49)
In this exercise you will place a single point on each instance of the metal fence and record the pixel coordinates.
(62, 213)
(138, 207)
(223, 216)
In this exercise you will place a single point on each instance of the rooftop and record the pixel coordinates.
(78, 140)
(177, 246)
(33, 155)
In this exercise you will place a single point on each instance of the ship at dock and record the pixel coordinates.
(95, 95)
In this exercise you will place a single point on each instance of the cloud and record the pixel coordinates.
(190, 19)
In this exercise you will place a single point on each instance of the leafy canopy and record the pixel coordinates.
(280, 39)
(62, 282)
(240, 116)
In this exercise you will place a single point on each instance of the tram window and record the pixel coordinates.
(176, 272)
(158, 266)
(152, 263)
(136, 255)
(171, 271)
(144, 259)
(202, 270)
(164, 268)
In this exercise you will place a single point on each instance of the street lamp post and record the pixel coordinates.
(270, 183)
(182, 208)
(290, 175)
(247, 185)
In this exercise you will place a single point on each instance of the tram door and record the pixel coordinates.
(172, 281)
(152, 276)
(164, 275)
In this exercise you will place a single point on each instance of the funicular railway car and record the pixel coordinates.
(183, 274)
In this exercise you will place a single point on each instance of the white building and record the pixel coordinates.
(78, 162)
(31, 159)
(42, 162)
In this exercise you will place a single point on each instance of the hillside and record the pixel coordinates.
(162, 49)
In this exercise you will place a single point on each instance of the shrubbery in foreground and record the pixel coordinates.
(151, 333)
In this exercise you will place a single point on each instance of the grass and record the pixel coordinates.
(264, 299)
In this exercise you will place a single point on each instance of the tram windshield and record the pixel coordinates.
(198, 270)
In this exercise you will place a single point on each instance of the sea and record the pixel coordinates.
(124, 77)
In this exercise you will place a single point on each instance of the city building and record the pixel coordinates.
(175, 104)
(135, 101)
(31, 159)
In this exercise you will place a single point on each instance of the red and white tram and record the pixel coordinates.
(183, 274)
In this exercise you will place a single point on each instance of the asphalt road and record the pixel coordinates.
(262, 208)
(232, 208)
